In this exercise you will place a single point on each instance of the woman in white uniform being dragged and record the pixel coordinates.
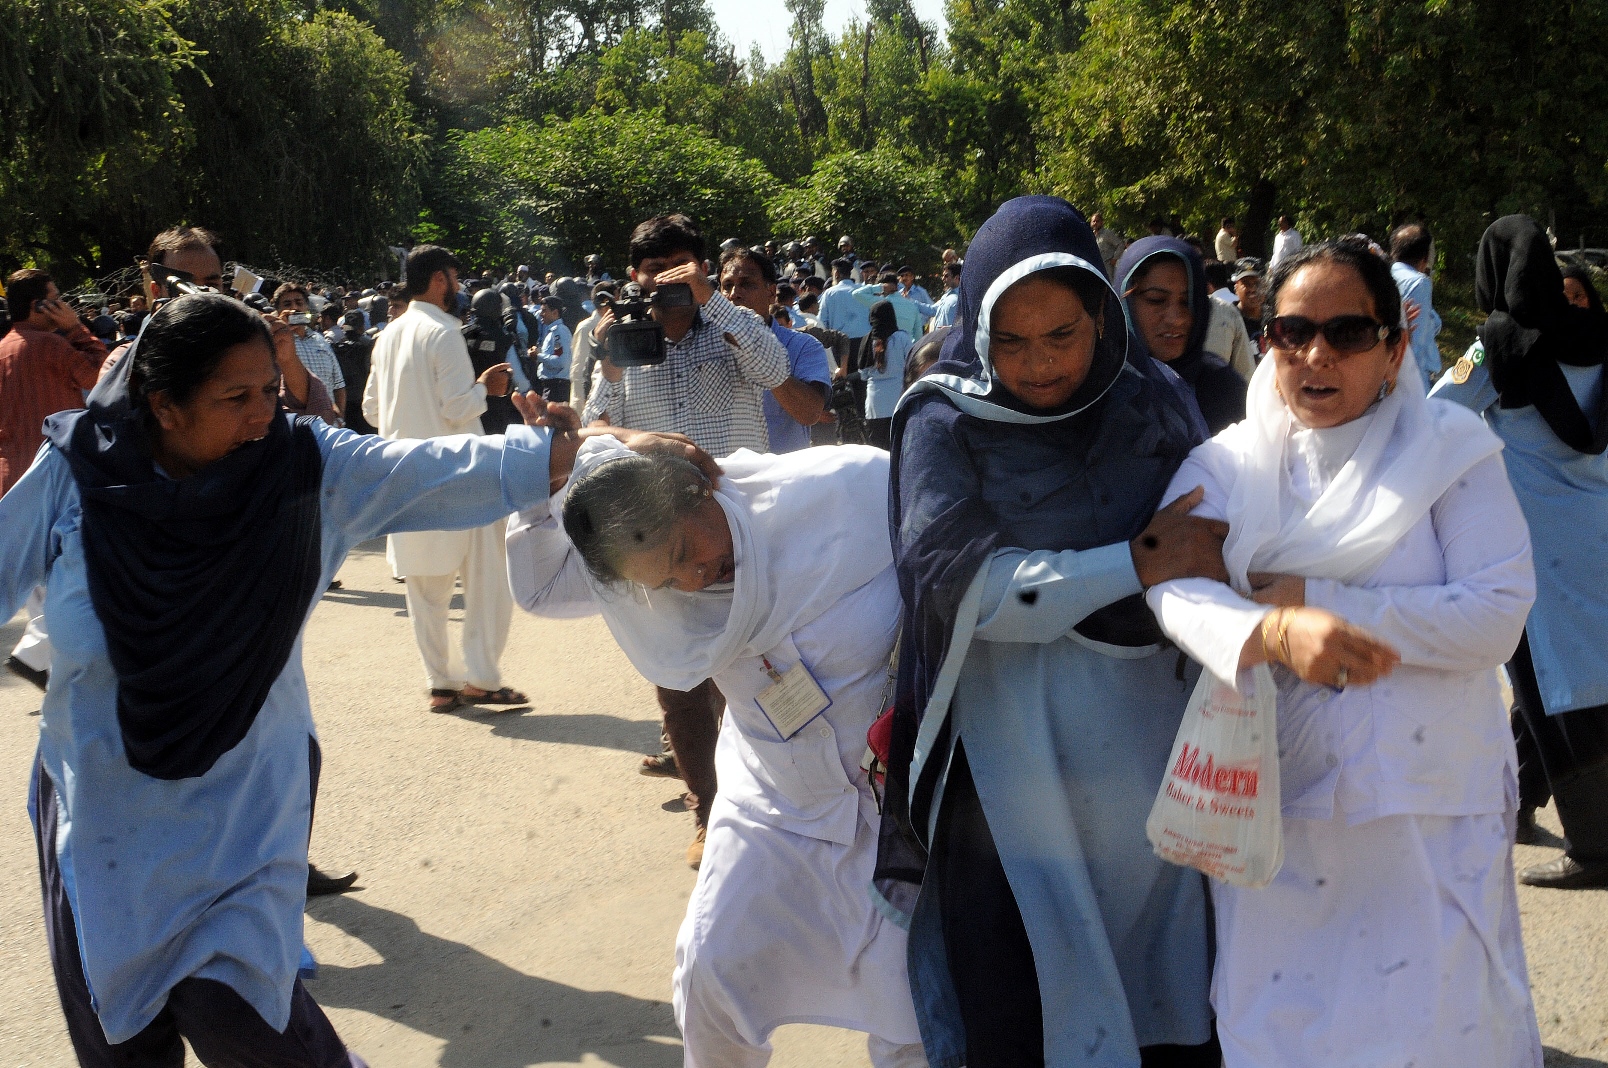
(1391, 572)
(742, 577)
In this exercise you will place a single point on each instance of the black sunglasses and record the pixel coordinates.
(1344, 333)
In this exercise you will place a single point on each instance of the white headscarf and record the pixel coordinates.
(807, 528)
(1412, 452)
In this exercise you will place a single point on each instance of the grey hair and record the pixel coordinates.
(627, 506)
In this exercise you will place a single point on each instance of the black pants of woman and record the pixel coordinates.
(220, 1025)
(1564, 758)
(878, 432)
(990, 957)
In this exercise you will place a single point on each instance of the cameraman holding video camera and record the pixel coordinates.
(677, 356)
(717, 359)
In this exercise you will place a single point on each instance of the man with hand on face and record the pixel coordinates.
(748, 281)
(315, 354)
(720, 359)
(422, 385)
(47, 361)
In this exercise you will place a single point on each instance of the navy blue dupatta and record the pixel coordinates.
(1218, 388)
(975, 470)
(201, 584)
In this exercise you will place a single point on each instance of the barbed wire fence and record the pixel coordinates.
(129, 281)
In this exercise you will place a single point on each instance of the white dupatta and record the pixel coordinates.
(807, 528)
(1413, 451)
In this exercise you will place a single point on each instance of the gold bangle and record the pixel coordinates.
(1267, 655)
(1284, 635)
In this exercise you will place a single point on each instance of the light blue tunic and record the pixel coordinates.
(882, 388)
(1564, 495)
(207, 876)
(1068, 739)
(1417, 287)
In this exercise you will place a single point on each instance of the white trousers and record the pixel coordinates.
(34, 649)
(488, 609)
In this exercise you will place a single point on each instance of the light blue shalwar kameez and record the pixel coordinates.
(1564, 496)
(207, 876)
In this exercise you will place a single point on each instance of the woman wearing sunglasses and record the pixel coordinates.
(1380, 564)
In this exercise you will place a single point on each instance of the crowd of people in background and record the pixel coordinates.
(1107, 466)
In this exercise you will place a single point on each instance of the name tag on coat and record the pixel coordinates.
(792, 700)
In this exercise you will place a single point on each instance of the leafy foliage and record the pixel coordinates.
(1349, 115)
(291, 134)
(319, 130)
(892, 207)
(553, 193)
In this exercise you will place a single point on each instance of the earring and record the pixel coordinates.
(1386, 388)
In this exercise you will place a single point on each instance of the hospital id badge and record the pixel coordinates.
(792, 700)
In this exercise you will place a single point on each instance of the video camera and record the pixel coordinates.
(175, 283)
(635, 340)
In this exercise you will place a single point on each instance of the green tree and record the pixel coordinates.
(553, 193)
(891, 206)
(1350, 115)
(305, 149)
(91, 107)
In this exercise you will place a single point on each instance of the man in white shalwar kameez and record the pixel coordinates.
(781, 927)
(422, 385)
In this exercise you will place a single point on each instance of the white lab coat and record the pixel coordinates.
(781, 926)
(1391, 935)
(422, 385)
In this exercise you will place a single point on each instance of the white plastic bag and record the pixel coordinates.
(1218, 809)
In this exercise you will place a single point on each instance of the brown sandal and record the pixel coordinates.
(503, 695)
(452, 705)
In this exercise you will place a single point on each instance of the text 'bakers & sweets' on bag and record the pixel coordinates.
(1218, 808)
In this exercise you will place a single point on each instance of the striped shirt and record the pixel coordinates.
(319, 359)
(711, 386)
(41, 373)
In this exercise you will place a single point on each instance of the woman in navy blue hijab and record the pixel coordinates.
(1037, 700)
(1164, 291)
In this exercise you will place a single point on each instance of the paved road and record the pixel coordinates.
(522, 885)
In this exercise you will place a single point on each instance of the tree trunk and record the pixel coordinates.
(1257, 222)
(865, 88)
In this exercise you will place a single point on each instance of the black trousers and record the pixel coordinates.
(990, 957)
(878, 432)
(1564, 758)
(222, 1028)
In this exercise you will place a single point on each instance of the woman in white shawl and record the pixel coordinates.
(1381, 566)
(744, 578)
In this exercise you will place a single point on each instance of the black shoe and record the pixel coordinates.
(39, 678)
(1566, 873)
(1526, 832)
(319, 884)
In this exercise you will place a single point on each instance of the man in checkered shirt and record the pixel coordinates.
(721, 360)
(311, 348)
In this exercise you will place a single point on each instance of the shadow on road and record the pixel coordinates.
(1556, 1058)
(581, 728)
(396, 601)
(487, 1014)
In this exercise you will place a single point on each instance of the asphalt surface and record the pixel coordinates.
(521, 884)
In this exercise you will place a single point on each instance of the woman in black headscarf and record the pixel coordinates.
(1037, 701)
(1579, 289)
(183, 525)
(1536, 375)
(491, 340)
(1166, 298)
